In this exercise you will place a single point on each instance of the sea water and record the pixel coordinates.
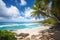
(14, 26)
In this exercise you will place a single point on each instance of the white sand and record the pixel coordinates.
(33, 31)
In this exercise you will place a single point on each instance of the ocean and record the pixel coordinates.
(15, 25)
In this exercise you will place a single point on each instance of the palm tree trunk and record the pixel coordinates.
(57, 19)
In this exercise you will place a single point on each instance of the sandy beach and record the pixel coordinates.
(37, 33)
(32, 31)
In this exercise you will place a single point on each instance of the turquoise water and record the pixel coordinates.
(14, 26)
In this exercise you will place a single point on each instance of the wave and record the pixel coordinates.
(27, 24)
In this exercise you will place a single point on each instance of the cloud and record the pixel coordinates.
(28, 11)
(23, 2)
(8, 12)
(12, 14)
(27, 16)
(13, 11)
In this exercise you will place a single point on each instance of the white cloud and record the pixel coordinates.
(13, 11)
(23, 2)
(28, 12)
(9, 12)
(13, 14)
(1, 18)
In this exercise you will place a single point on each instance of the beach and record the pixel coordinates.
(37, 33)
(32, 31)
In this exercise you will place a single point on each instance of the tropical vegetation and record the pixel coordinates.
(48, 21)
(47, 8)
(6, 35)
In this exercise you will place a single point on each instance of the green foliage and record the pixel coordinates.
(6, 35)
(49, 21)
(42, 7)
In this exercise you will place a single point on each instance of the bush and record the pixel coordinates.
(49, 21)
(6, 35)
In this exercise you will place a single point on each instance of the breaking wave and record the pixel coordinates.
(18, 26)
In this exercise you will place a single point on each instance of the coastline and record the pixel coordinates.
(30, 31)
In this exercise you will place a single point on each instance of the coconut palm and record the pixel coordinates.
(47, 8)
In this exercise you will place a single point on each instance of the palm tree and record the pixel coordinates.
(47, 8)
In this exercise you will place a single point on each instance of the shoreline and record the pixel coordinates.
(30, 31)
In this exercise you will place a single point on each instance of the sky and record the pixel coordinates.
(16, 11)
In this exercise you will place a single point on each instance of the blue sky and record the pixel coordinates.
(16, 11)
